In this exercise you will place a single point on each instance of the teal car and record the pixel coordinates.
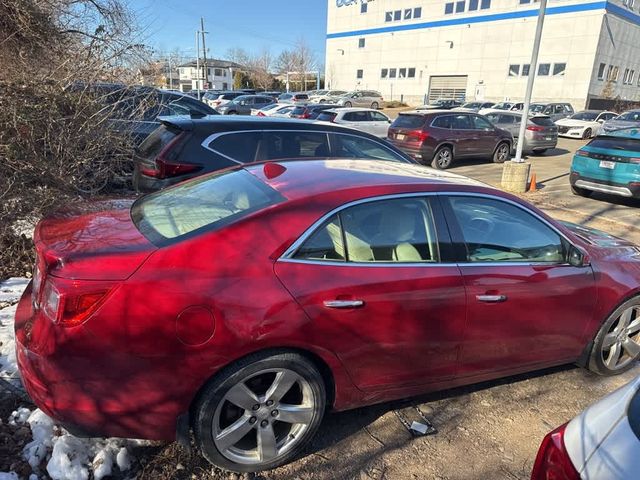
(609, 163)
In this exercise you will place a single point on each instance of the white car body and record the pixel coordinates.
(575, 128)
(600, 441)
(274, 110)
(363, 119)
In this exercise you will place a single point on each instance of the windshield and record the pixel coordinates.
(589, 116)
(203, 203)
(633, 116)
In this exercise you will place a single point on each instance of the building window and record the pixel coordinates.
(402, 73)
(525, 70)
(625, 79)
(363, 7)
(473, 5)
(392, 73)
(411, 73)
(514, 70)
(558, 69)
(361, 43)
(448, 8)
(417, 12)
(384, 73)
(632, 74)
(407, 13)
(485, 4)
(543, 69)
(612, 73)
(388, 17)
(460, 7)
(397, 15)
(601, 71)
(359, 73)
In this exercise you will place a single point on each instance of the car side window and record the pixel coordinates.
(462, 122)
(352, 146)
(293, 144)
(548, 110)
(240, 147)
(496, 231)
(356, 117)
(445, 121)
(481, 123)
(390, 231)
(378, 117)
(507, 119)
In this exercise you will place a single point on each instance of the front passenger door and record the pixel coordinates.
(526, 305)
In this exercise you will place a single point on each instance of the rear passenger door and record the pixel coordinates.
(465, 136)
(379, 290)
(379, 124)
(486, 135)
(359, 120)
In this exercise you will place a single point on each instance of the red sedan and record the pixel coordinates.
(244, 303)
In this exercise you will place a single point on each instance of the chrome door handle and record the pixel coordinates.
(491, 298)
(343, 303)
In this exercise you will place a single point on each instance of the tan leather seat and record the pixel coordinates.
(397, 229)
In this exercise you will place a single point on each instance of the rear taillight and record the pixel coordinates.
(72, 304)
(260, 114)
(582, 153)
(216, 103)
(552, 461)
(535, 128)
(305, 115)
(166, 166)
(634, 160)
(418, 134)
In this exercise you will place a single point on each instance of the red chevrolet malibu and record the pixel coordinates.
(243, 304)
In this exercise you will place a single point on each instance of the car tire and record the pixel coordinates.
(502, 153)
(250, 380)
(586, 134)
(583, 192)
(443, 158)
(348, 104)
(540, 151)
(616, 347)
(374, 105)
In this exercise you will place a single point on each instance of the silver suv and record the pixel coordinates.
(361, 98)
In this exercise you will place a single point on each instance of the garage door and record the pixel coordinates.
(454, 86)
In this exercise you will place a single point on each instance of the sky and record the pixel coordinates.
(249, 24)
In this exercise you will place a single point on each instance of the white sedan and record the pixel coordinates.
(364, 119)
(585, 124)
(602, 443)
(274, 110)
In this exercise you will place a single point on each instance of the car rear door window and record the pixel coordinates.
(293, 144)
(480, 123)
(352, 146)
(507, 119)
(462, 122)
(240, 147)
(389, 231)
(378, 117)
(356, 117)
(542, 121)
(497, 231)
(445, 121)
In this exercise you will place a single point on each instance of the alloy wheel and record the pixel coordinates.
(263, 417)
(443, 158)
(503, 153)
(621, 345)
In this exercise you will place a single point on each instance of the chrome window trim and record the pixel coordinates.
(205, 143)
(289, 252)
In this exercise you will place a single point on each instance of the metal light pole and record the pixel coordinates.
(532, 75)
(198, 64)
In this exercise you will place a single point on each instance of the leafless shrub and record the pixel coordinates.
(57, 139)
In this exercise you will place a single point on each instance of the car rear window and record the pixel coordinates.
(203, 203)
(156, 141)
(298, 111)
(326, 116)
(616, 143)
(408, 121)
(542, 121)
(303, 96)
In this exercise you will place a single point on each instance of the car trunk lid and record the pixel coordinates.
(97, 241)
(407, 128)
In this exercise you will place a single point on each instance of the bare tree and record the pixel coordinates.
(260, 68)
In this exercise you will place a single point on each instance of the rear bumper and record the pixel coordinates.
(423, 154)
(630, 190)
(93, 395)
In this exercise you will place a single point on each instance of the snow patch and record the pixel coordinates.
(10, 292)
(9, 476)
(19, 416)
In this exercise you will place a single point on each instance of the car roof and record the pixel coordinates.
(354, 109)
(632, 132)
(218, 123)
(433, 112)
(363, 177)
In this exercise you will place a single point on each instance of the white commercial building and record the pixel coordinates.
(481, 49)
(219, 75)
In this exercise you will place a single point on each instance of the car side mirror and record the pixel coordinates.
(578, 258)
(389, 121)
(601, 120)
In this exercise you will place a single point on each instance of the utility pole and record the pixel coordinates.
(198, 64)
(204, 52)
(532, 76)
